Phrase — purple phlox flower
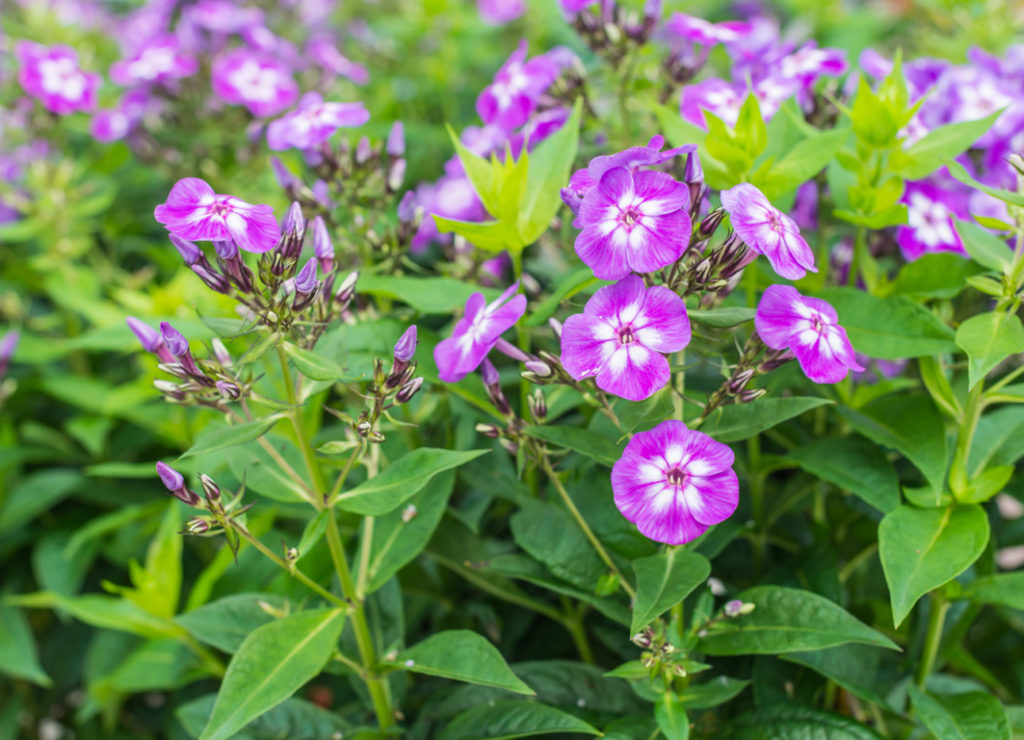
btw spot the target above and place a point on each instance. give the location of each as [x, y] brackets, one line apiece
[874, 369]
[496, 12]
[395, 146]
[451, 197]
[405, 347]
[584, 180]
[874, 64]
[805, 206]
[809, 62]
[150, 339]
[263, 39]
[52, 75]
[261, 83]
[193, 211]
[190, 253]
[305, 280]
[714, 95]
[161, 59]
[111, 124]
[809, 328]
[323, 51]
[7, 346]
[701, 31]
[174, 482]
[930, 226]
[323, 247]
[575, 6]
[633, 221]
[674, 483]
[622, 335]
[313, 122]
[768, 231]
[477, 332]
[223, 16]
[512, 97]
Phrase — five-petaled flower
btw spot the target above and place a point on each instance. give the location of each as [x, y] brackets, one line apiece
[261, 83]
[809, 328]
[621, 335]
[477, 332]
[193, 211]
[674, 483]
[633, 221]
[52, 75]
[768, 231]
[313, 122]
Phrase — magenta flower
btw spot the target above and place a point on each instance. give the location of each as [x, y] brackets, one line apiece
[193, 211]
[621, 336]
[511, 98]
[313, 122]
[261, 83]
[768, 231]
[674, 483]
[496, 12]
[809, 328]
[930, 225]
[8, 343]
[633, 221]
[322, 51]
[110, 125]
[477, 332]
[701, 31]
[52, 75]
[160, 60]
[721, 98]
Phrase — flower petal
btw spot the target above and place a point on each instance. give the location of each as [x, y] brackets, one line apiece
[587, 343]
[633, 372]
[662, 323]
[778, 314]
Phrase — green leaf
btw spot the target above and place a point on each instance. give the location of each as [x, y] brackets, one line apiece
[941, 144]
[751, 132]
[104, 612]
[18, 657]
[271, 664]
[314, 366]
[226, 622]
[742, 420]
[671, 716]
[482, 173]
[461, 655]
[958, 171]
[398, 538]
[939, 275]
[584, 441]
[909, 329]
[158, 586]
[550, 536]
[220, 436]
[712, 693]
[663, 580]
[922, 549]
[908, 424]
[987, 484]
[1001, 589]
[34, 494]
[493, 236]
[567, 287]
[795, 722]
[872, 118]
[550, 166]
[852, 666]
[853, 464]
[787, 620]
[402, 479]
[156, 665]
[985, 248]
[263, 474]
[973, 715]
[723, 318]
[432, 295]
[510, 719]
[988, 339]
[801, 163]
[295, 719]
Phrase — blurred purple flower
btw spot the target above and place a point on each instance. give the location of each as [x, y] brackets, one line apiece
[223, 16]
[52, 75]
[809, 328]
[261, 83]
[477, 332]
[7, 346]
[193, 211]
[768, 231]
[322, 51]
[930, 225]
[150, 339]
[496, 12]
[701, 31]
[313, 122]
[512, 97]
[633, 222]
[110, 125]
[674, 483]
[621, 336]
[161, 59]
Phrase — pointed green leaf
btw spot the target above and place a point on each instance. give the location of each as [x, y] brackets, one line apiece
[788, 620]
[671, 716]
[402, 479]
[985, 248]
[461, 655]
[295, 719]
[481, 172]
[580, 440]
[853, 464]
[742, 420]
[988, 339]
[492, 236]
[220, 436]
[922, 549]
[791, 721]
[550, 166]
[314, 366]
[941, 144]
[663, 580]
[960, 172]
[502, 720]
[18, 657]
[973, 715]
[1001, 589]
[271, 664]
[226, 622]
[723, 318]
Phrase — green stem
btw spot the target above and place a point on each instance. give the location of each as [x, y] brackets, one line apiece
[587, 531]
[958, 479]
[933, 638]
[300, 433]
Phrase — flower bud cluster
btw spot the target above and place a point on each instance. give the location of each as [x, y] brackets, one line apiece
[613, 30]
[219, 511]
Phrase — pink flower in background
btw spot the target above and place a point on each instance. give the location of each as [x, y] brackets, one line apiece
[223, 16]
[313, 122]
[633, 221]
[674, 483]
[52, 75]
[477, 332]
[110, 125]
[512, 97]
[701, 31]
[262, 84]
[193, 211]
[721, 98]
[496, 12]
[809, 327]
[8, 344]
[930, 226]
[768, 231]
[621, 335]
[160, 60]
[322, 51]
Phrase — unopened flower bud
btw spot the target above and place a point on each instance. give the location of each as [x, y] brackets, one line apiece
[702, 271]
[213, 280]
[226, 249]
[149, 338]
[174, 368]
[363, 150]
[405, 347]
[407, 207]
[711, 222]
[539, 368]
[190, 253]
[363, 428]
[228, 390]
[538, 405]
[396, 174]
[489, 373]
[488, 430]
[294, 223]
[407, 391]
[305, 284]
[211, 489]
[175, 483]
[197, 526]
[375, 436]
[739, 381]
[347, 289]
[556, 326]
[174, 340]
[395, 146]
[284, 176]
[165, 386]
[748, 396]
[220, 352]
[510, 350]
[323, 247]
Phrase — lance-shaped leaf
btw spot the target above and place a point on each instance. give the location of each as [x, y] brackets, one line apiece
[988, 339]
[663, 580]
[461, 655]
[502, 720]
[973, 715]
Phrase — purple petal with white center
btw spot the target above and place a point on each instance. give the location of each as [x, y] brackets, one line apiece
[634, 372]
[768, 231]
[663, 324]
[778, 312]
[587, 343]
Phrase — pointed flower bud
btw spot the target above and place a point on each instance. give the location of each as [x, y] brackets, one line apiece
[396, 140]
[363, 150]
[226, 249]
[228, 390]
[197, 526]
[189, 252]
[347, 289]
[405, 347]
[175, 483]
[539, 368]
[489, 373]
[175, 341]
[148, 337]
[305, 281]
[284, 176]
[211, 489]
[407, 391]
[220, 352]
[294, 223]
[322, 245]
